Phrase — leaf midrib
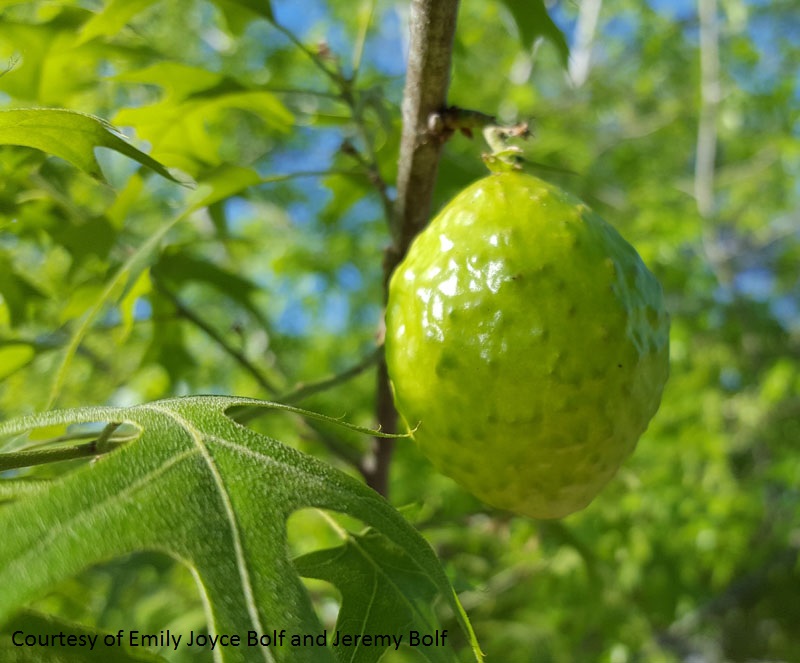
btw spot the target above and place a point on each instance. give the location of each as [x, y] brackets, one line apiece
[241, 562]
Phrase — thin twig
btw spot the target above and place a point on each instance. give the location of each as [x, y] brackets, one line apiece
[314, 57]
[348, 94]
[374, 172]
[310, 92]
[271, 179]
[348, 454]
[303, 391]
[370, 166]
[187, 313]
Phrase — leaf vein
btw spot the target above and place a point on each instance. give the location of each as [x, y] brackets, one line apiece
[241, 563]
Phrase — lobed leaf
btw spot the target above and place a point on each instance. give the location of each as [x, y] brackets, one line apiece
[216, 495]
[400, 596]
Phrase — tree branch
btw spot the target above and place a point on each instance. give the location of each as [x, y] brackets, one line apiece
[432, 28]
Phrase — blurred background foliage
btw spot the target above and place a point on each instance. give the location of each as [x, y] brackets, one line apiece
[292, 111]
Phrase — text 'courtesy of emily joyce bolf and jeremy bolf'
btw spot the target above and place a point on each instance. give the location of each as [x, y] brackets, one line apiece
[168, 639]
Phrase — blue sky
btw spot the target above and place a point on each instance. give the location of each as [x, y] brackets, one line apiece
[383, 50]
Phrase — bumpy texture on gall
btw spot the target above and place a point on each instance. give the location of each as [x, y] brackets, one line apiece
[528, 342]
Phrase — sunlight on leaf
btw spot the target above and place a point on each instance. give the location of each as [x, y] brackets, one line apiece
[112, 18]
[223, 182]
[533, 21]
[14, 357]
[70, 135]
[127, 306]
[125, 275]
[180, 131]
[177, 79]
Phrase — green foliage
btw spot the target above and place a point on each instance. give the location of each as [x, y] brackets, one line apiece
[382, 589]
[533, 22]
[69, 135]
[263, 278]
[216, 495]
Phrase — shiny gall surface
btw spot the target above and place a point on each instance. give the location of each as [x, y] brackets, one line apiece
[528, 342]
